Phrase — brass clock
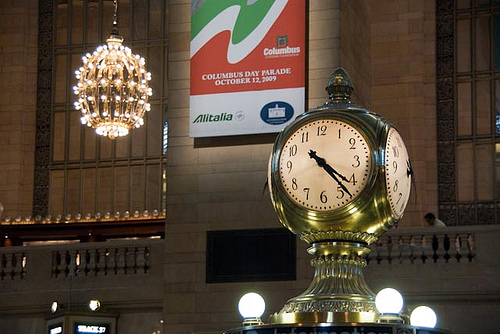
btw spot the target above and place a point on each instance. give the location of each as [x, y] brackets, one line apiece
[339, 177]
[339, 171]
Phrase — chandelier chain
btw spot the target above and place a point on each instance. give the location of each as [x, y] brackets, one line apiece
[115, 19]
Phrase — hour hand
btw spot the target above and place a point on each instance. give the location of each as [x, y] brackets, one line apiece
[322, 163]
[329, 169]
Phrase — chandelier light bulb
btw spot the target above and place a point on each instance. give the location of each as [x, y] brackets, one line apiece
[423, 316]
[251, 305]
[389, 301]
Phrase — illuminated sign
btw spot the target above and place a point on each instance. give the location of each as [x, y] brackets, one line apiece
[56, 329]
[92, 328]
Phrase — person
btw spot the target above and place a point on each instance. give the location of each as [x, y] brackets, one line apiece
[432, 221]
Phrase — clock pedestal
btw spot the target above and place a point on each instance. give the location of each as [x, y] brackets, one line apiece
[338, 291]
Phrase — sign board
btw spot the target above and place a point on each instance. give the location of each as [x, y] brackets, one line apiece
[247, 66]
[56, 328]
[87, 328]
[359, 329]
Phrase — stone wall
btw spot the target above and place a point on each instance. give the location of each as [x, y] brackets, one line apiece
[402, 56]
[355, 47]
[18, 70]
[220, 184]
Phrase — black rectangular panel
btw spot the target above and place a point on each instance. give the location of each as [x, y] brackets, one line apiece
[251, 255]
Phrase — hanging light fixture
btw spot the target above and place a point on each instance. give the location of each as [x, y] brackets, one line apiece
[113, 87]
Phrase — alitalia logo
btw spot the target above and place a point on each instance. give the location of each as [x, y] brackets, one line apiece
[206, 118]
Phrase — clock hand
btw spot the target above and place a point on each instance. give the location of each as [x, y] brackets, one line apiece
[329, 169]
[409, 169]
[322, 163]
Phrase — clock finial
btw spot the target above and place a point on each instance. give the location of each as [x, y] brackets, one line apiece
[339, 86]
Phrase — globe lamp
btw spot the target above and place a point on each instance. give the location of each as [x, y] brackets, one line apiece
[251, 307]
[389, 303]
[423, 316]
[94, 305]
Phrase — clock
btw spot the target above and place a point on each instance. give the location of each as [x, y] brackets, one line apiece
[398, 172]
[339, 177]
[339, 171]
[324, 164]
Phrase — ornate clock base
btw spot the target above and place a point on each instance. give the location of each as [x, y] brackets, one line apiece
[338, 292]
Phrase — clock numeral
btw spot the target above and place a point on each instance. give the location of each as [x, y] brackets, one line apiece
[289, 165]
[396, 186]
[322, 130]
[400, 195]
[306, 190]
[305, 137]
[293, 150]
[357, 162]
[395, 151]
[295, 186]
[399, 142]
[340, 131]
[352, 142]
[341, 193]
[322, 197]
[352, 180]
[395, 166]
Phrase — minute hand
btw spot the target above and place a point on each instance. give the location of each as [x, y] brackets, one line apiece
[329, 169]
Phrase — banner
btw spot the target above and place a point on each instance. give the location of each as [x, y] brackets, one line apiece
[247, 66]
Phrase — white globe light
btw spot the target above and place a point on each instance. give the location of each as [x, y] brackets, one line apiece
[94, 304]
[423, 316]
[54, 307]
[389, 300]
[251, 305]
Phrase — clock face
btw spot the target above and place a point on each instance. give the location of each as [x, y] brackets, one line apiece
[325, 164]
[398, 172]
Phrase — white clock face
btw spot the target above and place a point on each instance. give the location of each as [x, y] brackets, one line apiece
[398, 172]
[325, 164]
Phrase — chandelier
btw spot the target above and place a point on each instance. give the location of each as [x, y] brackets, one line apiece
[112, 87]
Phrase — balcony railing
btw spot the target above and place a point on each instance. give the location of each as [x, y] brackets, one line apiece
[101, 261]
[81, 259]
[13, 265]
[425, 245]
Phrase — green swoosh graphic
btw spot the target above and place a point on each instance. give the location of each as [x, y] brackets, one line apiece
[248, 19]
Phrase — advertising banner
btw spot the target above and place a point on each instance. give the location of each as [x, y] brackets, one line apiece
[247, 66]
